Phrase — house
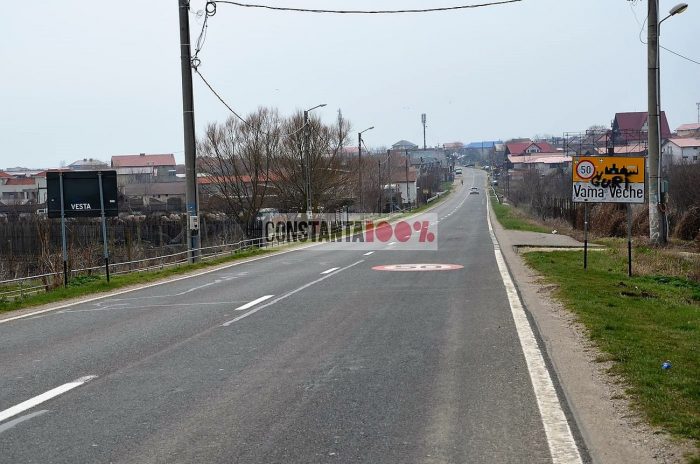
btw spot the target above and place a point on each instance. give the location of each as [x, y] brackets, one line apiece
[21, 190]
[688, 130]
[632, 128]
[88, 164]
[529, 147]
[544, 163]
[143, 168]
[635, 149]
[405, 184]
[404, 145]
[169, 196]
[681, 150]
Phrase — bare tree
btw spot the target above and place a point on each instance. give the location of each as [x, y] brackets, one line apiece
[328, 167]
[236, 157]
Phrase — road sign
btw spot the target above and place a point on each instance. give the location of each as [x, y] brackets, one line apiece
[418, 267]
[608, 179]
[81, 193]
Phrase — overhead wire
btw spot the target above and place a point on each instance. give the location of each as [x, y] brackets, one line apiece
[400, 11]
[644, 42]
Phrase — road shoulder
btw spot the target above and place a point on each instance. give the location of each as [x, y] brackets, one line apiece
[611, 430]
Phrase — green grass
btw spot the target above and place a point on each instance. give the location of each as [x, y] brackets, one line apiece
[93, 284]
[639, 323]
[511, 219]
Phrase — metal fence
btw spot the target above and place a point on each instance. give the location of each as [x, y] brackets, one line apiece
[23, 286]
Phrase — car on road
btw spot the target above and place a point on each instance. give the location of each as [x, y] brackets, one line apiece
[458, 171]
[473, 191]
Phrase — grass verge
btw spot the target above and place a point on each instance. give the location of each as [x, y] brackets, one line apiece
[512, 219]
[639, 322]
[94, 284]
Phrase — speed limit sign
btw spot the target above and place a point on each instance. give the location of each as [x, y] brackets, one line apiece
[585, 169]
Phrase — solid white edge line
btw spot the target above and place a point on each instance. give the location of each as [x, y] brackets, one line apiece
[155, 284]
[288, 294]
[254, 302]
[330, 270]
[31, 402]
[562, 445]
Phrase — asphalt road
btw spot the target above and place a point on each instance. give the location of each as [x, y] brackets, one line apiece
[355, 365]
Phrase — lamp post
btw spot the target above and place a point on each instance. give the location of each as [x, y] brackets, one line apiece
[359, 170]
[307, 159]
[657, 208]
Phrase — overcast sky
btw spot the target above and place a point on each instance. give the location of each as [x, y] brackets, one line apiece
[96, 79]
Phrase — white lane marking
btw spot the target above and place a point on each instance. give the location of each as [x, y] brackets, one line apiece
[30, 403]
[392, 243]
[330, 270]
[155, 284]
[8, 425]
[288, 294]
[562, 445]
[254, 302]
[176, 279]
[146, 307]
[368, 253]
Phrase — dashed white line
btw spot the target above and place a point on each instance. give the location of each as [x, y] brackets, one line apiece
[368, 253]
[288, 294]
[392, 243]
[562, 445]
[30, 403]
[254, 302]
[328, 271]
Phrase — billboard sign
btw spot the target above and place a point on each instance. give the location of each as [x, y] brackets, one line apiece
[81, 193]
[608, 179]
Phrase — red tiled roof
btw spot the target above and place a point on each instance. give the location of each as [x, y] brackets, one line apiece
[20, 181]
[546, 147]
[685, 142]
[246, 179]
[634, 121]
[548, 158]
[4, 174]
[688, 127]
[519, 148]
[138, 161]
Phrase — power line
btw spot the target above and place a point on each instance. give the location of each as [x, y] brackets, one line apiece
[641, 30]
[313, 10]
[219, 97]
[243, 120]
[679, 55]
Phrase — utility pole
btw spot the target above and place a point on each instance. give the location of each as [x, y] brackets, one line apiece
[188, 121]
[698, 105]
[423, 119]
[408, 196]
[655, 214]
[381, 189]
[391, 188]
[359, 169]
[307, 166]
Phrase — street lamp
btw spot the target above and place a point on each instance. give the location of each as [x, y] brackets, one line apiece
[307, 160]
[657, 209]
[359, 170]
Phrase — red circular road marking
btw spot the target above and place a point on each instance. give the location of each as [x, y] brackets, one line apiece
[424, 267]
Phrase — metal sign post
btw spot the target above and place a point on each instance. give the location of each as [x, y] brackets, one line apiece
[82, 194]
[608, 179]
[629, 240]
[585, 235]
[63, 231]
[104, 225]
